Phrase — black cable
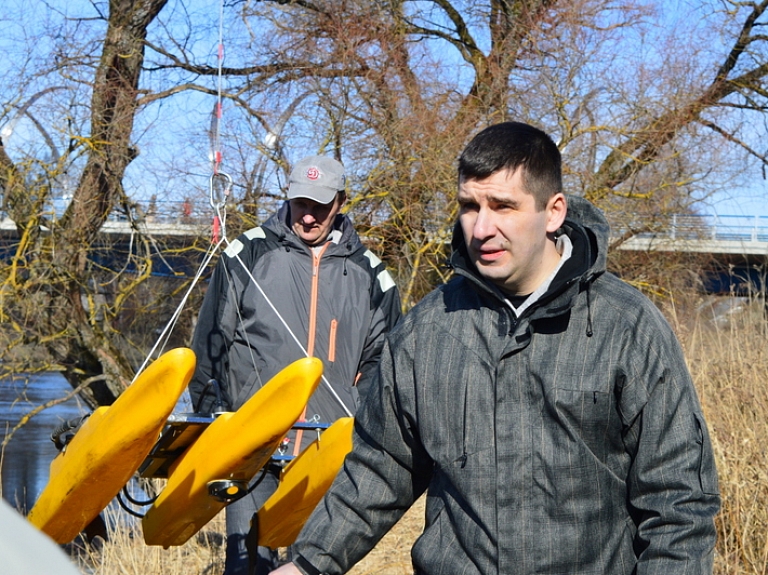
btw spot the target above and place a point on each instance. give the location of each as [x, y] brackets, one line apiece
[264, 471]
[128, 509]
[64, 432]
[136, 502]
[217, 389]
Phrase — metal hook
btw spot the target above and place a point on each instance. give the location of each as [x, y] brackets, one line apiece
[220, 186]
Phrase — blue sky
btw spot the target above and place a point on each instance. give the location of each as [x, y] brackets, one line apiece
[160, 149]
[747, 201]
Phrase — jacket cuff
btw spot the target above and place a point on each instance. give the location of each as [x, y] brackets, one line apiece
[305, 566]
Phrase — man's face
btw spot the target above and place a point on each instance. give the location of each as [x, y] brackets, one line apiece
[312, 221]
[506, 236]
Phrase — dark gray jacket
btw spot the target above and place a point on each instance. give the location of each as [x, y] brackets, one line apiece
[339, 306]
[569, 440]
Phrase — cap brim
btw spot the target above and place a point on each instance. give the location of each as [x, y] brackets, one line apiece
[320, 194]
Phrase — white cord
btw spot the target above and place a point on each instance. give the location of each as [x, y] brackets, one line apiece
[163, 338]
[290, 331]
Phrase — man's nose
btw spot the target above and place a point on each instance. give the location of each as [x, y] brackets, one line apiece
[484, 225]
[308, 217]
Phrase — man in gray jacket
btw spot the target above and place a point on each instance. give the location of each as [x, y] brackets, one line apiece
[301, 283]
[543, 404]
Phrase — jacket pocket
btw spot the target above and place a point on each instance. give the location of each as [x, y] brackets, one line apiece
[707, 469]
[581, 426]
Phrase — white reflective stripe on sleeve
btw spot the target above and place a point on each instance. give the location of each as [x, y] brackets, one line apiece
[385, 281]
[372, 258]
[255, 233]
[234, 248]
[237, 246]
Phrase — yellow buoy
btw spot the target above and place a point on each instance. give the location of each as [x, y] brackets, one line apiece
[231, 449]
[109, 447]
[302, 484]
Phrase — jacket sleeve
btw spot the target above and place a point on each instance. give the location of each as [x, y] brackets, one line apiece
[672, 486]
[211, 341]
[385, 304]
[384, 474]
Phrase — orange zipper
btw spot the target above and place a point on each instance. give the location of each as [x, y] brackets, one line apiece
[313, 299]
[312, 327]
[332, 341]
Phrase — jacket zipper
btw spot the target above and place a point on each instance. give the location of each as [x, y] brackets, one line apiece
[316, 256]
[313, 296]
[332, 341]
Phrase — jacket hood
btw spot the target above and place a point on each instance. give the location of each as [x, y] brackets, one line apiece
[348, 242]
[585, 214]
[584, 224]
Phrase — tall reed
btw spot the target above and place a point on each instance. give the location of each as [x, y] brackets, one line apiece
[728, 358]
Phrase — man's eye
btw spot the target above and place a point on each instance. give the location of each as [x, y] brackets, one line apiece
[503, 206]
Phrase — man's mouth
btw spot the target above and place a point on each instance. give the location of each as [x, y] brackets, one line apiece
[489, 254]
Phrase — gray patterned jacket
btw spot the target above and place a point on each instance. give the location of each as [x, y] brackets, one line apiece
[569, 440]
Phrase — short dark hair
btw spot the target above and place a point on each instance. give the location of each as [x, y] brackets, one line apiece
[513, 145]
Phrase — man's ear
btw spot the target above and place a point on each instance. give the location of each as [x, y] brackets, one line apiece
[557, 207]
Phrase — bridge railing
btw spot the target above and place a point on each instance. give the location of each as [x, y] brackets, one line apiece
[159, 211]
[744, 228]
[678, 227]
[187, 211]
[713, 227]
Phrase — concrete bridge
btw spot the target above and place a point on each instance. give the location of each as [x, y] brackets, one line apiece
[737, 245]
[710, 234]
[178, 238]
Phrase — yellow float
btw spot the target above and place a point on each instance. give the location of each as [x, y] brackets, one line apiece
[230, 451]
[303, 483]
[109, 447]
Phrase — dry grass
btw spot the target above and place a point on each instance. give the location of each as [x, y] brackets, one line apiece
[729, 363]
[126, 554]
[392, 556]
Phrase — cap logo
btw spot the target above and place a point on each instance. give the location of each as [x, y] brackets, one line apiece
[313, 173]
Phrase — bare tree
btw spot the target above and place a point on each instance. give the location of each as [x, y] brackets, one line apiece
[398, 87]
[650, 117]
[50, 290]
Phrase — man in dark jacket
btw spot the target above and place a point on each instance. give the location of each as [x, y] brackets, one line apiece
[301, 284]
[543, 405]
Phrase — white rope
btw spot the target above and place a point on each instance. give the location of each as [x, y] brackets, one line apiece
[290, 331]
[162, 340]
[218, 204]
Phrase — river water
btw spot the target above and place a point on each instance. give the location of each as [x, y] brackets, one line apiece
[25, 462]
[29, 452]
